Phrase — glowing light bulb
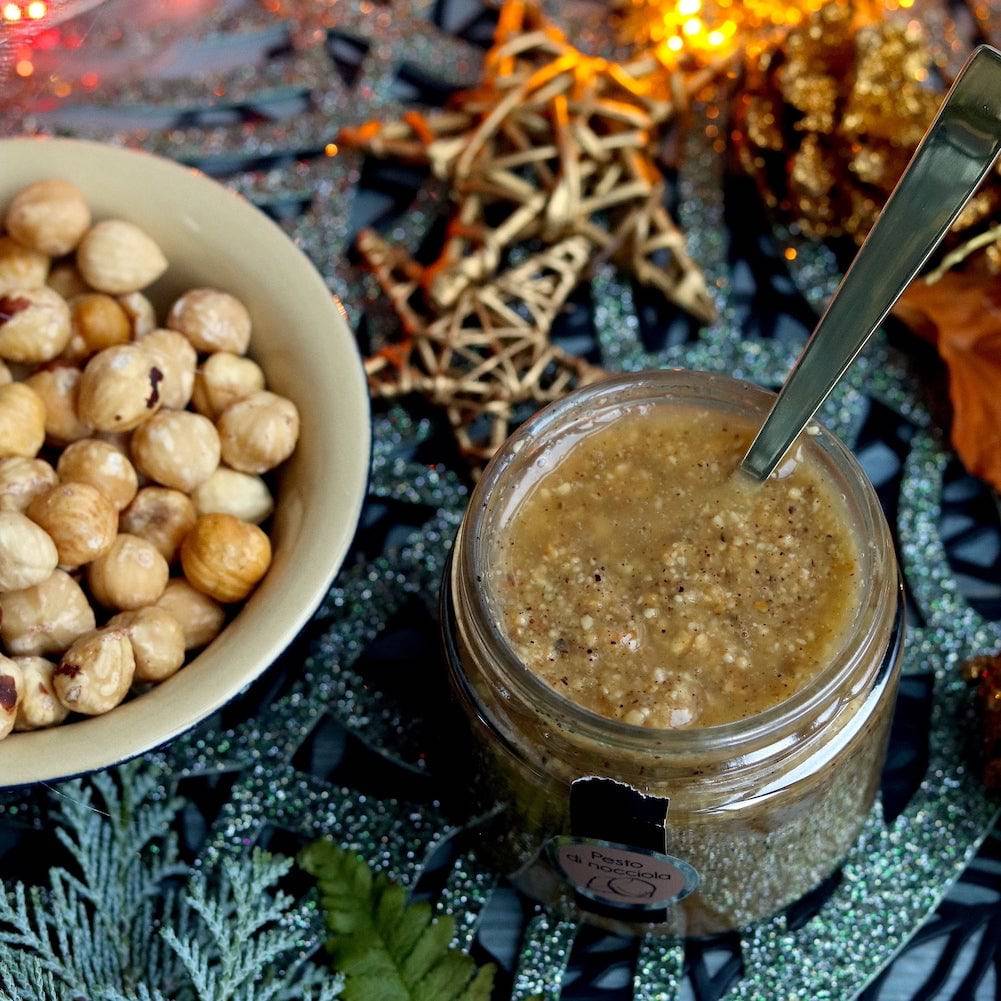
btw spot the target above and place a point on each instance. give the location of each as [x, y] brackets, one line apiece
[37, 9]
[674, 43]
[11, 12]
[24, 67]
[692, 26]
[716, 38]
[789, 253]
[689, 7]
[331, 149]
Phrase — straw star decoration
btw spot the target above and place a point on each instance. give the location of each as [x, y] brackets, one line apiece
[549, 154]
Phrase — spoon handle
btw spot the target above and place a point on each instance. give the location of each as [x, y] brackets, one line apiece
[955, 154]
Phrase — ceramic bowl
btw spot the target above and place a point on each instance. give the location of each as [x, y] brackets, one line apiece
[301, 339]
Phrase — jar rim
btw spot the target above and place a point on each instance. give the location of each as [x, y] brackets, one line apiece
[877, 598]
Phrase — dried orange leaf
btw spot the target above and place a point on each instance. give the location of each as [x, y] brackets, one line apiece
[961, 315]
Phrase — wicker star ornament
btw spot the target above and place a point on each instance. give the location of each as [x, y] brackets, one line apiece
[549, 164]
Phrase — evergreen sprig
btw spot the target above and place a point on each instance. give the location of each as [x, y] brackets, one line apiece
[126, 920]
[388, 949]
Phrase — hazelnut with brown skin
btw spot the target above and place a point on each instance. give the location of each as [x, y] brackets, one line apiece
[39, 706]
[117, 257]
[48, 216]
[200, 617]
[140, 311]
[120, 389]
[22, 421]
[157, 642]
[259, 432]
[58, 385]
[176, 448]
[95, 674]
[161, 515]
[22, 480]
[79, 519]
[11, 694]
[27, 554]
[131, 574]
[223, 379]
[102, 465]
[99, 321]
[20, 267]
[34, 325]
[224, 557]
[211, 320]
[176, 359]
[46, 618]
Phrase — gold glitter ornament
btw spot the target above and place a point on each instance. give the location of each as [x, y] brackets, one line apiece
[827, 124]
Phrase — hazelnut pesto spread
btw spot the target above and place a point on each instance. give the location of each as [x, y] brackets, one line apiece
[644, 578]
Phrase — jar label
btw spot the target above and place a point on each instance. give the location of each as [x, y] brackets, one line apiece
[623, 876]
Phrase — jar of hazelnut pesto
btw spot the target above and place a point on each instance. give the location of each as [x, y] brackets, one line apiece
[679, 683]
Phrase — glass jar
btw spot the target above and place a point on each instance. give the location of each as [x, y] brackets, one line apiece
[688, 832]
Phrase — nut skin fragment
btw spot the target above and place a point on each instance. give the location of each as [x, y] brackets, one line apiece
[34, 325]
[95, 674]
[27, 554]
[48, 216]
[39, 706]
[117, 257]
[22, 421]
[11, 694]
[45, 619]
[259, 432]
[58, 386]
[130, 575]
[224, 557]
[242, 495]
[118, 391]
[157, 642]
[161, 515]
[22, 480]
[200, 617]
[102, 465]
[212, 320]
[177, 449]
[20, 267]
[81, 521]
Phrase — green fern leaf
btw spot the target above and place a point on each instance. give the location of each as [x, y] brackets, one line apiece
[388, 949]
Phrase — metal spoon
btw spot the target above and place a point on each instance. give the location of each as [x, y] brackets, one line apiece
[955, 154]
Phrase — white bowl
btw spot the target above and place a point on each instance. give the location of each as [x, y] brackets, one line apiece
[212, 236]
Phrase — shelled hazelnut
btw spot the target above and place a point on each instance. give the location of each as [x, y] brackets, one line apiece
[211, 320]
[79, 519]
[103, 466]
[118, 257]
[161, 515]
[22, 480]
[157, 641]
[120, 389]
[96, 672]
[27, 554]
[34, 325]
[176, 448]
[131, 573]
[20, 267]
[135, 419]
[259, 432]
[48, 216]
[201, 619]
[22, 421]
[39, 708]
[58, 386]
[223, 379]
[11, 693]
[46, 618]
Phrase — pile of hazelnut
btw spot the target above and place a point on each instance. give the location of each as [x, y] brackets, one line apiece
[131, 462]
